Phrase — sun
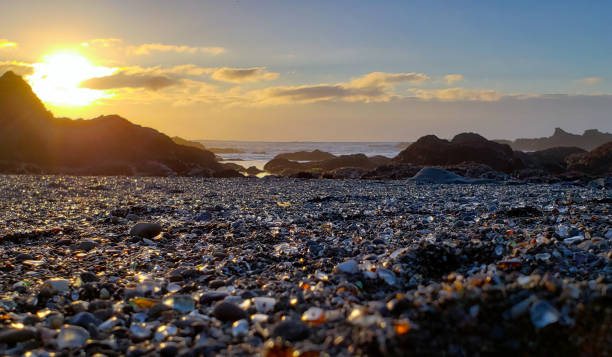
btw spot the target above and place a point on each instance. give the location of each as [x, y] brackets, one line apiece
[56, 79]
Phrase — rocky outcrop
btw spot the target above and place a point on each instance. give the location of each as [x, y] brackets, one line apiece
[315, 155]
[551, 161]
[466, 147]
[106, 145]
[286, 167]
[185, 142]
[589, 140]
[595, 162]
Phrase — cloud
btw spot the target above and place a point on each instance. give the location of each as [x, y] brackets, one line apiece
[125, 79]
[457, 94]
[240, 75]
[20, 68]
[453, 78]
[147, 48]
[377, 79]
[189, 69]
[103, 42]
[591, 81]
[372, 87]
[4, 43]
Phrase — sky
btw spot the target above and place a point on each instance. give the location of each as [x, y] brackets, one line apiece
[319, 70]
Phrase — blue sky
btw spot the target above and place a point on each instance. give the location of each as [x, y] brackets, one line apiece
[512, 48]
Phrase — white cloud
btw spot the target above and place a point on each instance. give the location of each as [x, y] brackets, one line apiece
[457, 94]
[453, 78]
[372, 87]
[147, 48]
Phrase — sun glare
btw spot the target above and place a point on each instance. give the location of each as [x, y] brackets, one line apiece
[57, 77]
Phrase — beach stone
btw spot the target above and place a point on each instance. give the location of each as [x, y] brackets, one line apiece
[203, 216]
[543, 314]
[215, 284]
[226, 311]
[207, 298]
[168, 349]
[181, 303]
[86, 245]
[348, 267]
[291, 331]
[14, 335]
[72, 337]
[146, 230]
[23, 257]
[59, 285]
[88, 277]
[85, 319]
[264, 304]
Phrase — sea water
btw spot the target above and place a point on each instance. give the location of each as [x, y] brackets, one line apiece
[258, 153]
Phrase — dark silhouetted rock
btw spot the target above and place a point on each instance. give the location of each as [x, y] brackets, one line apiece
[550, 160]
[591, 139]
[466, 147]
[315, 155]
[596, 162]
[106, 145]
[253, 170]
[317, 168]
[186, 142]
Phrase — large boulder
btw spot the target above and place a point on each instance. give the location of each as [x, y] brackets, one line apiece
[596, 162]
[360, 161]
[465, 147]
[551, 160]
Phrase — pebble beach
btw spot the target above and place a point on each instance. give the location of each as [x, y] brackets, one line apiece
[114, 266]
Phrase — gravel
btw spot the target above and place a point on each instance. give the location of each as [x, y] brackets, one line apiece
[279, 267]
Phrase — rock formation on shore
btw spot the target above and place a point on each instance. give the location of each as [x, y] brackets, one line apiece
[360, 161]
[31, 139]
[185, 142]
[591, 139]
[466, 147]
[315, 155]
[595, 162]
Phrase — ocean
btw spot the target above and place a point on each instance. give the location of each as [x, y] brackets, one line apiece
[258, 153]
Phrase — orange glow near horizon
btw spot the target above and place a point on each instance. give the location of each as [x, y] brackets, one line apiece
[57, 77]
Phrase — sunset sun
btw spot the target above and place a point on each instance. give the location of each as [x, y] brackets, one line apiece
[56, 79]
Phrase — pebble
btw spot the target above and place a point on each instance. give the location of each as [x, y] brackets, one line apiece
[225, 311]
[292, 331]
[72, 337]
[146, 230]
[180, 303]
[543, 314]
[59, 285]
[14, 335]
[264, 304]
[348, 267]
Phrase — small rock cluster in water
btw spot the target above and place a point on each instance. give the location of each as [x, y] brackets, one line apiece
[203, 267]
